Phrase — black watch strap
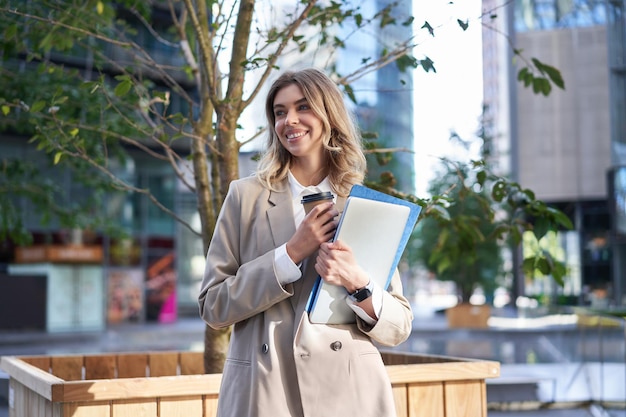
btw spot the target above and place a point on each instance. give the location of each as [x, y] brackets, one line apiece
[361, 294]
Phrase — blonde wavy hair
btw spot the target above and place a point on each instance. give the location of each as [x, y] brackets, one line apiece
[342, 139]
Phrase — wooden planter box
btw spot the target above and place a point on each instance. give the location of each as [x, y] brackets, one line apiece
[171, 384]
[468, 316]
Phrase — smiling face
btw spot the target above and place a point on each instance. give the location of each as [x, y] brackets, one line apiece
[298, 128]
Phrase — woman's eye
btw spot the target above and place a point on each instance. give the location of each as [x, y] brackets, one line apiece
[278, 113]
[304, 107]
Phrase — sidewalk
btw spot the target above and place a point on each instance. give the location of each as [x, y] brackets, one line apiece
[430, 336]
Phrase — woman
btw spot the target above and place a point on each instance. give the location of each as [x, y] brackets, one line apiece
[265, 256]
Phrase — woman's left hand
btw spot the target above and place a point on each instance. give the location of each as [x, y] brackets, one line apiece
[336, 265]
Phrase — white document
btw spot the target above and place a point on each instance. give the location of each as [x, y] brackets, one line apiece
[374, 230]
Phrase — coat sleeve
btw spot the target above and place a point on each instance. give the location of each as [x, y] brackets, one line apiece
[395, 322]
[239, 279]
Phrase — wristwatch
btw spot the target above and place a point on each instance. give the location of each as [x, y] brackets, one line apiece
[362, 293]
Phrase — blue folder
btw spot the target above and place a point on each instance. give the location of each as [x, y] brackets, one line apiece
[377, 227]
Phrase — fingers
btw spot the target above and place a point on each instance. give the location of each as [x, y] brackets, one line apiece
[339, 245]
[317, 227]
[322, 212]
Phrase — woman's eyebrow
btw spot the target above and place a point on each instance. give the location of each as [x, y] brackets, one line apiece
[300, 101]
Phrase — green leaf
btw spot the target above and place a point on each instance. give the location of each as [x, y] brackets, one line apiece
[37, 106]
[498, 192]
[561, 218]
[528, 265]
[500, 231]
[428, 65]
[57, 157]
[350, 92]
[406, 62]
[6, 110]
[443, 264]
[543, 265]
[528, 80]
[522, 73]
[11, 32]
[74, 132]
[123, 88]
[481, 177]
[358, 18]
[541, 85]
[428, 27]
[555, 76]
[558, 273]
[542, 227]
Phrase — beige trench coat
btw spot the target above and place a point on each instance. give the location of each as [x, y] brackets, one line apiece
[279, 364]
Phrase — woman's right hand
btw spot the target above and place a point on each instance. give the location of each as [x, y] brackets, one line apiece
[316, 228]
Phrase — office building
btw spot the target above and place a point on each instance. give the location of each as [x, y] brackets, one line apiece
[563, 146]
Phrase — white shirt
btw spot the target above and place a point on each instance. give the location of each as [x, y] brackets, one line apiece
[287, 271]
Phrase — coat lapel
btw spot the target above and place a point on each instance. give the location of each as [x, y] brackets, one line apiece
[280, 216]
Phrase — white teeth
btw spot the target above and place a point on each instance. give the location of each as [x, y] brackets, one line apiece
[295, 135]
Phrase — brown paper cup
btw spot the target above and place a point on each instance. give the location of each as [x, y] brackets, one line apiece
[312, 200]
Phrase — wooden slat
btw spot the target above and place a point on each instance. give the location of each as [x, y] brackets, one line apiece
[43, 383]
[28, 403]
[87, 409]
[400, 399]
[170, 386]
[450, 371]
[134, 408]
[41, 362]
[68, 368]
[20, 396]
[100, 366]
[132, 365]
[181, 406]
[163, 363]
[191, 363]
[426, 399]
[464, 399]
[395, 358]
[210, 405]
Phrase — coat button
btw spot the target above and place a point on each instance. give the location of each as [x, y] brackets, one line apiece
[265, 348]
[336, 345]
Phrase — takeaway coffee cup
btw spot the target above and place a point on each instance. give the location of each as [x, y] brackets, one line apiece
[312, 200]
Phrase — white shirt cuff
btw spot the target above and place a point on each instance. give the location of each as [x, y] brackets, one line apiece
[285, 269]
[377, 304]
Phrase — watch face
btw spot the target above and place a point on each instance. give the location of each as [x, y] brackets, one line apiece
[361, 295]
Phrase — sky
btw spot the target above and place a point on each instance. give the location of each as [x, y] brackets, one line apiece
[451, 98]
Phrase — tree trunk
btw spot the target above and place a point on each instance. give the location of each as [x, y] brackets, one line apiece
[215, 348]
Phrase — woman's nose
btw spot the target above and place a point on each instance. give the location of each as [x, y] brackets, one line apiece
[292, 117]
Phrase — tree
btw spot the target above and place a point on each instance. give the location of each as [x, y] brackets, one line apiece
[460, 249]
[473, 216]
[102, 94]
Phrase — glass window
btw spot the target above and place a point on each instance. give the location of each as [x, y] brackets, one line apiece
[554, 14]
